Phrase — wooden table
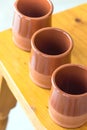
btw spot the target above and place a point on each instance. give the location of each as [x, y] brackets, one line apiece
[15, 82]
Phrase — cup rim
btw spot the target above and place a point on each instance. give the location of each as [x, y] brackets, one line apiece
[35, 18]
[47, 55]
[61, 91]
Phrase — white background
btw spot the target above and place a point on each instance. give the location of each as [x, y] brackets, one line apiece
[17, 118]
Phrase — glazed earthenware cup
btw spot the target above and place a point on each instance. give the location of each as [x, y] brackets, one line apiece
[51, 47]
[29, 16]
[68, 99]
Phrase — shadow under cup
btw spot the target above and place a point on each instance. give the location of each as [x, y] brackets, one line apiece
[68, 99]
[29, 16]
[51, 47]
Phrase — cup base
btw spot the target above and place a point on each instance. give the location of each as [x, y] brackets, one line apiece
[21, 42]
[67, 121]
[41, 80]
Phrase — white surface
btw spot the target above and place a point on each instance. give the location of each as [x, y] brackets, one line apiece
[17, 118]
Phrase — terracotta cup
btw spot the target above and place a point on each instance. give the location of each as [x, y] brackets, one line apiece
[29, 16]
[68, 99]
[51, 47]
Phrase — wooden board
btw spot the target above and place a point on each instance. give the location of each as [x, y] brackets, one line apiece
[14, 67]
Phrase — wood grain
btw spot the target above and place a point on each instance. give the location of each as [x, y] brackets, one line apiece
[14, 67]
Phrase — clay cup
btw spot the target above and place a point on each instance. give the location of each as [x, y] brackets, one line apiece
[29, 16]
[51, 47]
[68, 99]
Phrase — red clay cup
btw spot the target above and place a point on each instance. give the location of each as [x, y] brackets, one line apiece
[68, 99]
[51, 47]
[29, 16]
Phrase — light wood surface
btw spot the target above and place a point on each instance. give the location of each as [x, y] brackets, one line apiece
[14, 67]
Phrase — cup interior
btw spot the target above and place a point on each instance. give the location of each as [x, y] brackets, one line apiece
[34, 8]
[52, 41]
[72, 80]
